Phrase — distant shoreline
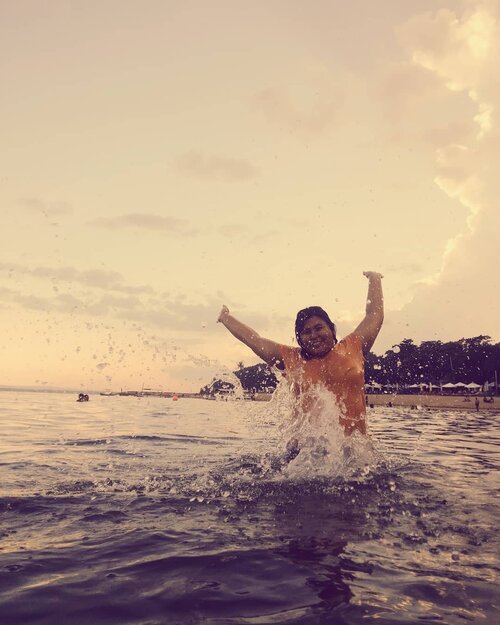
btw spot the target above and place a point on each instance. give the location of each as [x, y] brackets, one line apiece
[415, 401]
[457, 402]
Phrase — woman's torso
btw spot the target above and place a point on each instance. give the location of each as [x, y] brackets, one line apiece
[340, 372]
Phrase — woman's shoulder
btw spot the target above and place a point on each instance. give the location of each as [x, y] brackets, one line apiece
[288, 350]
[351, 341]
[290, 355]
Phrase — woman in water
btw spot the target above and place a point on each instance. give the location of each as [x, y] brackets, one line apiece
[321, 362]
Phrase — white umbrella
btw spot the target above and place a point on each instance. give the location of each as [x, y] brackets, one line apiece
[461, 384]
[450, 385]
[473, 385]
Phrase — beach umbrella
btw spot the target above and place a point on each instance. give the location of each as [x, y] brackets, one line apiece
[461, 385]
[473, 385]
[450, 385]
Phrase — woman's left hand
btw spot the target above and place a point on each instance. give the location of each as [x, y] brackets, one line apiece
[372, 274]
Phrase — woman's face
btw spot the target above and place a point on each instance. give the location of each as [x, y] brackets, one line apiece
[316, 337]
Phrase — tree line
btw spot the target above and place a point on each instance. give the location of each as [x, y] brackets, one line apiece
[432, 362]
[467, 360]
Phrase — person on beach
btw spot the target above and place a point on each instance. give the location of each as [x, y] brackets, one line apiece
[320, 361]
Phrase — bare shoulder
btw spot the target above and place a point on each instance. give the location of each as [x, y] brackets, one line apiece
[351, 342]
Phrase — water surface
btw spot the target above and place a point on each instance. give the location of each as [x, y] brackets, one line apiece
[148, 511]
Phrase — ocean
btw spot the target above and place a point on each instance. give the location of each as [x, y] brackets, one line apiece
[126, 510]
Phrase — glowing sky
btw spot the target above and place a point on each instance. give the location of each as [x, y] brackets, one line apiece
[162, 158]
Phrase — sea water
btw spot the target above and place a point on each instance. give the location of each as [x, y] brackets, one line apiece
[149, 511]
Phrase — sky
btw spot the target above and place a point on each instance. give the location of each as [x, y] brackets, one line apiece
[162, 158]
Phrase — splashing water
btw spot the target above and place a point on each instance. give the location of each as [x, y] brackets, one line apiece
[312, 441]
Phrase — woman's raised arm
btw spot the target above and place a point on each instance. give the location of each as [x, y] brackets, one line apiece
[369, 328]
[268, 350]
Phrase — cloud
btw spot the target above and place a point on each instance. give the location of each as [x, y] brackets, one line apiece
[405, 268]
[96, 278]
[462, 302]
[159, 310]
[308, 110]
[462, 51]
[458, 50]
[49, 209]
[207, 166]
[454, 133]
[232, 231]
[146, 221]
[134, 303]
[109, 304]
[60, 303]
[242, 232]
[451, 46]
[146, 306]
[264, 237]
[406, 87]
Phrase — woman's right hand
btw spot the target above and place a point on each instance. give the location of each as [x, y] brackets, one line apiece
[223, 314]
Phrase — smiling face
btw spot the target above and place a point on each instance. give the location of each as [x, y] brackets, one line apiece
[316, 337]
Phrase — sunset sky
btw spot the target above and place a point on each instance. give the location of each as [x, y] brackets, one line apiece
[162, 158]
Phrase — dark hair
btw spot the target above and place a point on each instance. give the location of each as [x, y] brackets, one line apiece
[305, 314]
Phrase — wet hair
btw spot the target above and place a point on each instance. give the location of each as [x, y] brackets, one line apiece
[305, 314]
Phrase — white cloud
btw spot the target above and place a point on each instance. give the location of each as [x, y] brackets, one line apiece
[139, 305]
[405, 268]
[210, 166]
[285, 110]
[146, 221]
[96, 278]
[233, 230]
[406, 87]
[244, 233]
[450, 45]
[307, 108]
[47, 208]
[461, 50]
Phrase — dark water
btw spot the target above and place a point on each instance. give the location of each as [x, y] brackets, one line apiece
[149, 511]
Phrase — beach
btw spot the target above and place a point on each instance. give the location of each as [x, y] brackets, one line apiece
[446, 402]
